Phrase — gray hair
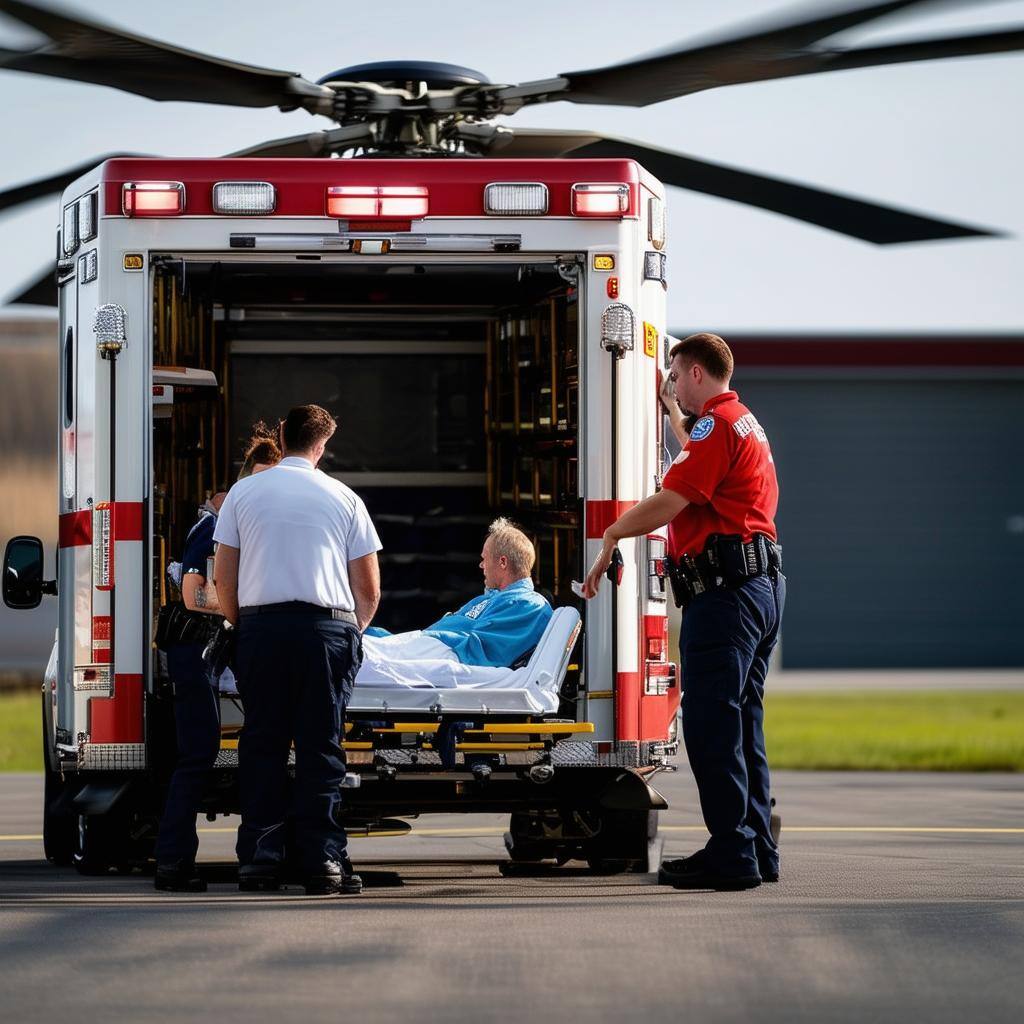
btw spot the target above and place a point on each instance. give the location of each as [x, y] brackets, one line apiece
[508, 540]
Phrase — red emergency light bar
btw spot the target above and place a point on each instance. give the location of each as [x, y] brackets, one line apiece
[152, 198]
[404, 201]
[401, 189]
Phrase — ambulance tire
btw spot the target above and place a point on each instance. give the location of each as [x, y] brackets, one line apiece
[60, 828]
[102, 844]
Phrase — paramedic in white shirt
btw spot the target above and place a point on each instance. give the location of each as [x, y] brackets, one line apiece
[296, 571]
[476, 645]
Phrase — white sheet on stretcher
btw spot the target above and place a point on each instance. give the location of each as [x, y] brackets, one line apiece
[413, 672]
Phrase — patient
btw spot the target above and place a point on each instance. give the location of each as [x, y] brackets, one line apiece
[476, 645]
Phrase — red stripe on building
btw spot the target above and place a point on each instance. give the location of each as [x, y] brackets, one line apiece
[118, 719]
[74, 529]
[601, 515]
[878, 351]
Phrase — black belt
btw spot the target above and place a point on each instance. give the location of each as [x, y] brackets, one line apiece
[341, 614]
[726, 561]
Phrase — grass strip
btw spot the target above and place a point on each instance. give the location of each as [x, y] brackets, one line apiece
[20, 732]
[921, 730]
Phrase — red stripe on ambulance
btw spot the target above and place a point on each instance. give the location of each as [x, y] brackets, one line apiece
[601, 515]
[118, 719]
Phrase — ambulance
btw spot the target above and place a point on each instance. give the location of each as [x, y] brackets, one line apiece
[489, 335]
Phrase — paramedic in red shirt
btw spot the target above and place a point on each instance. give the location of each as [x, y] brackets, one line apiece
[718, 500]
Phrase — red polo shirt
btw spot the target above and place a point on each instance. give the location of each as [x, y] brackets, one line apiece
[727, 475]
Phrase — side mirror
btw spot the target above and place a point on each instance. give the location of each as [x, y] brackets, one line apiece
[23, 585]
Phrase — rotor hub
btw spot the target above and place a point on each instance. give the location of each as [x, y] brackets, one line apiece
[395, 74]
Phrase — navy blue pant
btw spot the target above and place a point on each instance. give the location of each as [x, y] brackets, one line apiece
[295, 674]
[197, 724]
[726, 640]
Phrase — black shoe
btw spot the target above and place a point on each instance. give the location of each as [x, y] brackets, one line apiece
[672, 870]
[702, 878]
[259, 878]
[333, 878]
[178, 877]
[768, 874]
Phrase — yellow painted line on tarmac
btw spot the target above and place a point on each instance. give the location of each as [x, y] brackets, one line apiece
[491, 831]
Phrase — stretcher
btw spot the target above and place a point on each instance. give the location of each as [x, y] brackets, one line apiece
[531, 689]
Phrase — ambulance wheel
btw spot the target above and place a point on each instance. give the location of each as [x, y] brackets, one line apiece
[101, 844]
[60, 828]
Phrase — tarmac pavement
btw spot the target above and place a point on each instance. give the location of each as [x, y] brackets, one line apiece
[902, 898]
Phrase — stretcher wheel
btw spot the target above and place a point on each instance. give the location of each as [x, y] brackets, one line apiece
[608, 865]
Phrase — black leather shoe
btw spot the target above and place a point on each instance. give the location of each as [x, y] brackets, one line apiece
[702, 878]
[769, 874]
[259, 878]
[672, 870]
[178, 877]
[333, 878]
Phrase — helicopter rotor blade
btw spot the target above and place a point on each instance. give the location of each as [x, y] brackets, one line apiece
[772, 52]
[847, 215]
[87, 51]
[55, 183]
[41, 291]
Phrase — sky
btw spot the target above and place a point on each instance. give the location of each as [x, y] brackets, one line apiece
[941, 138]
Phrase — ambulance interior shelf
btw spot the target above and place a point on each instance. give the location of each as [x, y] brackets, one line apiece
[175, 384]
[190, 441]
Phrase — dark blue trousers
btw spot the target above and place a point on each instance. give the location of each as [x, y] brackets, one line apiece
[726, 640]
[197, 724]
[295, 674]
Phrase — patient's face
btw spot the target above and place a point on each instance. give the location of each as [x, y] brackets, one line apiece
[491, 566]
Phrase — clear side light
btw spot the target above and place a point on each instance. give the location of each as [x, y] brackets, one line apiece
[654, 267]
[516, 198]
[87, 219]
[88, 267]
[600, 199]
[618, 328]
[102, 548]
[245, 198]
[656, 569]
[69, 229]
[656, 222]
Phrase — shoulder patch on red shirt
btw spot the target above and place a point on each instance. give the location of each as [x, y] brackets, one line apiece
[702, 428]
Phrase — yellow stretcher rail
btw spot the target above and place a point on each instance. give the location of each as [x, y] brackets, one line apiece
[472, 748]
[504, 728]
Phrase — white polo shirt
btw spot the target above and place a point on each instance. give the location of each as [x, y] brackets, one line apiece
[296, 530]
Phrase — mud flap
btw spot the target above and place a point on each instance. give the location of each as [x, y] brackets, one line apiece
[98, 797]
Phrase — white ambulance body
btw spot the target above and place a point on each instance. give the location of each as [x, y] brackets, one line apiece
[196, 295]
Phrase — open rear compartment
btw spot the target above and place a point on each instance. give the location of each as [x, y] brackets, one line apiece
[456, 389]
